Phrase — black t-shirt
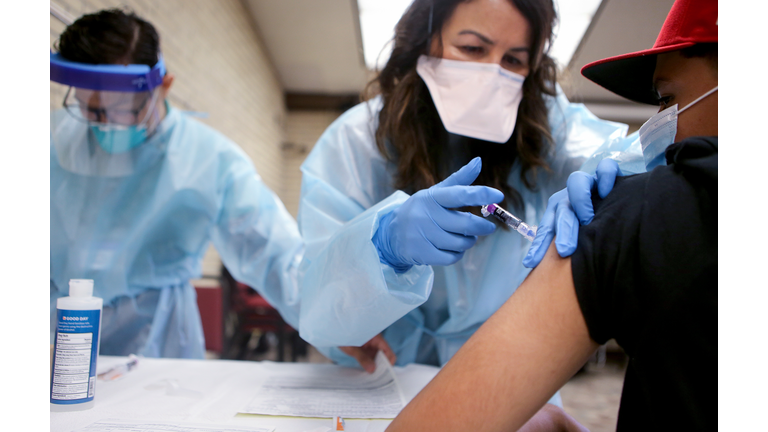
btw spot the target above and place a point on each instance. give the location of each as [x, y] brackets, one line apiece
[645, 273]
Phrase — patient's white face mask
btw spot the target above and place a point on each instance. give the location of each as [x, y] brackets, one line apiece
[659, 132]
[477, 100]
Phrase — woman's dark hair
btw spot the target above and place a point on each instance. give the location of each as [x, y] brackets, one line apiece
[410, 127]
[110, 36]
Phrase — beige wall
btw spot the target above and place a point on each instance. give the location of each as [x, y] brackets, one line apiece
[302, 129]
[221, 68]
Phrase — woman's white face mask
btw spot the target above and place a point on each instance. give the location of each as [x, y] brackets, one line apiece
[477, 100]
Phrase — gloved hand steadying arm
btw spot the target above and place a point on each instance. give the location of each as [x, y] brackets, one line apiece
[423, 231]
[569, 207]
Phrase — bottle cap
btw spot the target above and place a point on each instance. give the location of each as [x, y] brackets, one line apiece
[80, 287]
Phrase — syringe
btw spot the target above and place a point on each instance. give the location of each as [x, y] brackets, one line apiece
[511, 220]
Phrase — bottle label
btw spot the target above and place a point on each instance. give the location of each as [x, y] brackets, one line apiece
[74, 356]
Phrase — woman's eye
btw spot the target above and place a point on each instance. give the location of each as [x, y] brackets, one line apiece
[472, 49]
[512, 60]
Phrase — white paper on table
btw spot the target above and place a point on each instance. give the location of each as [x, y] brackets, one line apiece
[328, 391]
[116, 425]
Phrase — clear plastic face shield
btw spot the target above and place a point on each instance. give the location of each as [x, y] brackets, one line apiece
[118, 103]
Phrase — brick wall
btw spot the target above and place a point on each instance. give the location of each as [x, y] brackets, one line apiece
[221, 68]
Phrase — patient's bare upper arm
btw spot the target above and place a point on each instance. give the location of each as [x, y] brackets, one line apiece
[513, 364]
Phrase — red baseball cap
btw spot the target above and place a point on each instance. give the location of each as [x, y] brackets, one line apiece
[631, 75]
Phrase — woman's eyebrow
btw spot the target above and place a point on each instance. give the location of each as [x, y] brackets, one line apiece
[481, 36]
[488, 41]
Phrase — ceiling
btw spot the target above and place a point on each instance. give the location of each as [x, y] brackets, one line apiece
[315, 45]
[316, 48]
[619, 27]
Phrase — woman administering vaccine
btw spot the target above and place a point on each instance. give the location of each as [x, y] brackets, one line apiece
[468, 96]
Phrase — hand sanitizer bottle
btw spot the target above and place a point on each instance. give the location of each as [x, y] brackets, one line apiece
[76, 348]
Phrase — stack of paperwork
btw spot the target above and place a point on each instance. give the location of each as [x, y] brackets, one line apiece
[349, 393]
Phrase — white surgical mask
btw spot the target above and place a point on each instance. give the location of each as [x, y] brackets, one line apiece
[659, 132]
[477, 100]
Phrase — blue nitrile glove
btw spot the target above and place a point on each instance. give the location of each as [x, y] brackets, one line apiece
[568, 207]
[423, 231]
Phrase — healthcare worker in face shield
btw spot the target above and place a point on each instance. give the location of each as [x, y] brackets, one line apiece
[468, 96]
[138, 190]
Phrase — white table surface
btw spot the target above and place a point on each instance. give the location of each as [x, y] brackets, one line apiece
[211, 391]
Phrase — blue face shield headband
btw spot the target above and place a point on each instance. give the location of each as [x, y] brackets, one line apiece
[117, 101]
[117, 78]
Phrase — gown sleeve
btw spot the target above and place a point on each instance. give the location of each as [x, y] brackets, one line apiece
[256, 237]
[348, 296]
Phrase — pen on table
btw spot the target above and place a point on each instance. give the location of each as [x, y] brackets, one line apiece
[338, 423]
[119, 370]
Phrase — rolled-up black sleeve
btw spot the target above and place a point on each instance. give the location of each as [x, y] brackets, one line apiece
[645, 274]
[605, 256]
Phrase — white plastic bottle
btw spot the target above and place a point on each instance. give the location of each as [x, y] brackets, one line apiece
[76, 348]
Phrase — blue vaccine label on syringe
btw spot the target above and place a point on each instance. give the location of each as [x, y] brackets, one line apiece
[74, 356]
[512, 221]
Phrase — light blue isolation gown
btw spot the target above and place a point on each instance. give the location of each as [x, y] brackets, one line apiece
[138, 224]
[427, 313]
[628, 152]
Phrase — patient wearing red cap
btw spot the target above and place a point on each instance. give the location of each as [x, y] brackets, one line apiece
[644, 272]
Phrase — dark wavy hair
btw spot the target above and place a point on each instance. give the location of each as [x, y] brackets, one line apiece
[110, 36]
[410, 131]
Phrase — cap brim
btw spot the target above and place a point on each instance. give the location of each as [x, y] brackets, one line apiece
[629, 75]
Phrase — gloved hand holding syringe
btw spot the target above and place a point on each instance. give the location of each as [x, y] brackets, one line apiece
[509, 219]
